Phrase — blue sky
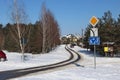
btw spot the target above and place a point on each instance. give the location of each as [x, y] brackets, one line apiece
[71, 15]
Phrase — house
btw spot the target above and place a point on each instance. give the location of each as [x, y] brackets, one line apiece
[70, 38]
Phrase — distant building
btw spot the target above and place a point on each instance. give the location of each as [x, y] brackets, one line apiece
[71, 38]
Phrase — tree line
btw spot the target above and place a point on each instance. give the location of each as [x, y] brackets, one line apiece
[42, 36]
[32, 42]
[108, 31]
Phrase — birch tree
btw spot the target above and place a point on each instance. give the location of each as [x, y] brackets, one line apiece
[44, 27]
[50, 28]
[19, 18]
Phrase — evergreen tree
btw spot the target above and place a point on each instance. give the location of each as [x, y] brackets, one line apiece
[108, 29]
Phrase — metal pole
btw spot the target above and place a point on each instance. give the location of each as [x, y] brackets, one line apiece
[94, 56]
[94, 51]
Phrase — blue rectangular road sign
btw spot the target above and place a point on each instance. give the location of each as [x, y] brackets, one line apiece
[94, 40]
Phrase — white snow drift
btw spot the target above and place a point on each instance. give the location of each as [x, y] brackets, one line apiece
[108, 68]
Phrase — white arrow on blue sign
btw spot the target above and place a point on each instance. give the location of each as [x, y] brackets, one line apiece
[94, 40]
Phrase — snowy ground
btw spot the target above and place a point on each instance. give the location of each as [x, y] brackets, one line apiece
[107, 68]
[15, 62]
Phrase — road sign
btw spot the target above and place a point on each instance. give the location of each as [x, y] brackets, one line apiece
[105, 49]
[93, 21]
[94, 32]
[94, 41]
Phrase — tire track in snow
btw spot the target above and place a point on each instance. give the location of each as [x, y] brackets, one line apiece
[74, 57]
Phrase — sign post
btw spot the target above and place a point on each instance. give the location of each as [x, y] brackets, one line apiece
[93, 40]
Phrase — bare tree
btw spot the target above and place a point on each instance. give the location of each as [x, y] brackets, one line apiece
[44, 27]
[50, 30]
[19, 30]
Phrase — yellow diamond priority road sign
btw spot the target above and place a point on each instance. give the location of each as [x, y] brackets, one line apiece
[93, 21]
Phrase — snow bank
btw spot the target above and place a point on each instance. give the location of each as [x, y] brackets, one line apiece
[107, 68]
[15, 62]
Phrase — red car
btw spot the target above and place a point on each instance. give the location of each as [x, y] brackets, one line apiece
[2, 56]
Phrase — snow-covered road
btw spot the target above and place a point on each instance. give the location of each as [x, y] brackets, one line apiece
[107, 68]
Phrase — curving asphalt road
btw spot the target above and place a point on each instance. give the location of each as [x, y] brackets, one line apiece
[6, 75]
